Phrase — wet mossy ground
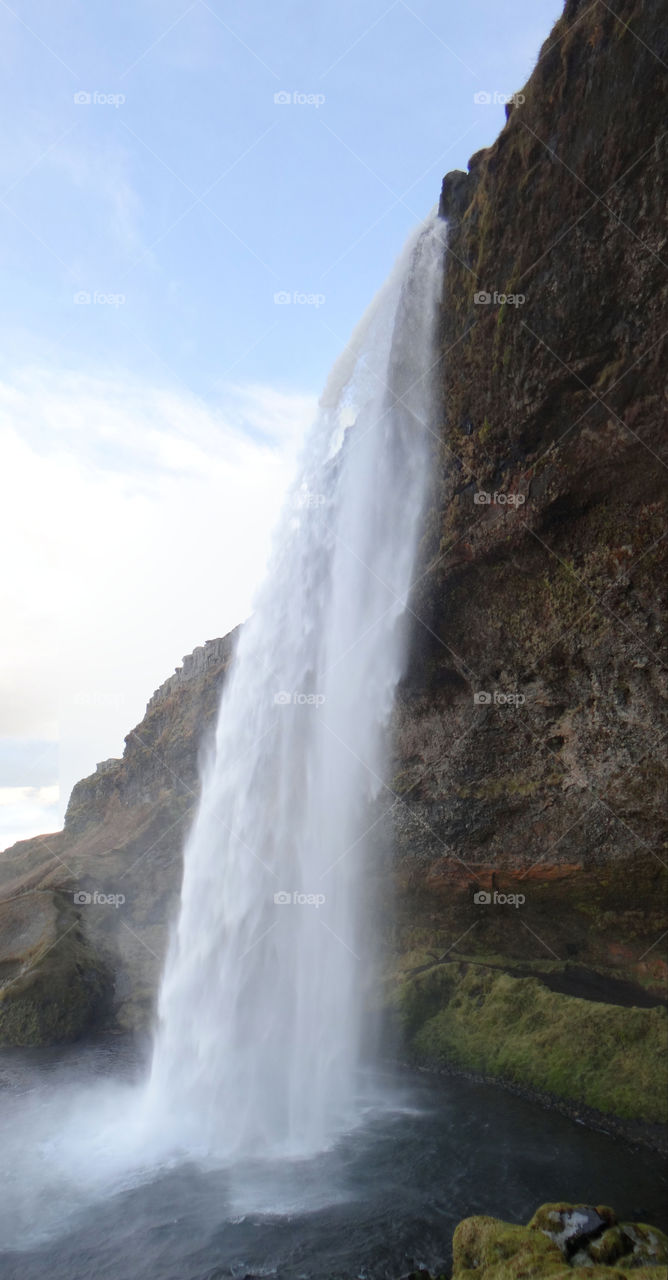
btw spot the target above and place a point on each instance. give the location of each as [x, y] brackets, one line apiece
[477, 1018]
[562, 997]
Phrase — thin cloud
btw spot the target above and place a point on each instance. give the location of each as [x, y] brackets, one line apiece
[139, 521]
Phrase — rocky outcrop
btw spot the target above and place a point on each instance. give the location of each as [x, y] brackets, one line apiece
[53, 985]
[530, 722]
[162, 754]
[118, 861]
[529, 729]
[562, 1241]
[206, 659]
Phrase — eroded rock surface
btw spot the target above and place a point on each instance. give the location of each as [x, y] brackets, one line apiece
[53, 986]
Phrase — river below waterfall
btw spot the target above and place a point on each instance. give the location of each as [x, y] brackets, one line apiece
[383, 1200]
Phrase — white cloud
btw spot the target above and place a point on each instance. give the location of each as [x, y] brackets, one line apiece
[25, 810]
[136, 523]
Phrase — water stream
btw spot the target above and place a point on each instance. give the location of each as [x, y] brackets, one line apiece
[261, 1009]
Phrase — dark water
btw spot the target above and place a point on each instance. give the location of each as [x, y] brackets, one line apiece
[385, 1200]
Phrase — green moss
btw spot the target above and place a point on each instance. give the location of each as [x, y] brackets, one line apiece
[609, 1247]
[564, 589]
[648, 1244]
[603, 1056]
[487, 1249]
[512, 784]
[548, 1217]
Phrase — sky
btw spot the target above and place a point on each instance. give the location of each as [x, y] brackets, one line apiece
[198, 201]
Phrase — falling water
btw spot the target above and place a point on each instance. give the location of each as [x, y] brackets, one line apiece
[261, 1009]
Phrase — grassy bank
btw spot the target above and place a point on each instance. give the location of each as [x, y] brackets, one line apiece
[474, 1016]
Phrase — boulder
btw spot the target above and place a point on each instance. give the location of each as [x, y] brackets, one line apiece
[562, 1242]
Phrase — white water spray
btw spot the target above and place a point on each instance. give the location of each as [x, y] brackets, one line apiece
[261, 1012]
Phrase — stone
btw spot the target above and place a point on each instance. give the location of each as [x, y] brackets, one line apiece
[53, 986]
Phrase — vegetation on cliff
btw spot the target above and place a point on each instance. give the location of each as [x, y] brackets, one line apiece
[478, 1017]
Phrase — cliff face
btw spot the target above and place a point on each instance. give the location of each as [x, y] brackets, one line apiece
[545, 559]
[529, 727]
[527, 743]
[118, 861]
[532, 830]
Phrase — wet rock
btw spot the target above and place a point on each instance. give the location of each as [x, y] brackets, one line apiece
[456, 193]
[119, 858]
[570, 1226]
[53, 986]
[562, 1241]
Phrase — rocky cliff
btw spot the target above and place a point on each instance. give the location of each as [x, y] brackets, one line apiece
[529, 735]
[534, 713]
[526, 802]
[531, 831]
[117, 863]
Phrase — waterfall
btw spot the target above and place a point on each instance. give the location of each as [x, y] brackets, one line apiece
[261, 1010]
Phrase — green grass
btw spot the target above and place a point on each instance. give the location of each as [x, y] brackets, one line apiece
[603, 1056]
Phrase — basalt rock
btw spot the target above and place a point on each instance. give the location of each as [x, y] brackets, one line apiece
[118, 860]
[529, 728]
[53, 987]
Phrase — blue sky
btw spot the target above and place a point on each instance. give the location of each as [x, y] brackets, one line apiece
[154, 197]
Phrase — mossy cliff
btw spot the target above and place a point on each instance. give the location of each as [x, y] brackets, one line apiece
[508, 1023]
[529, 736]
